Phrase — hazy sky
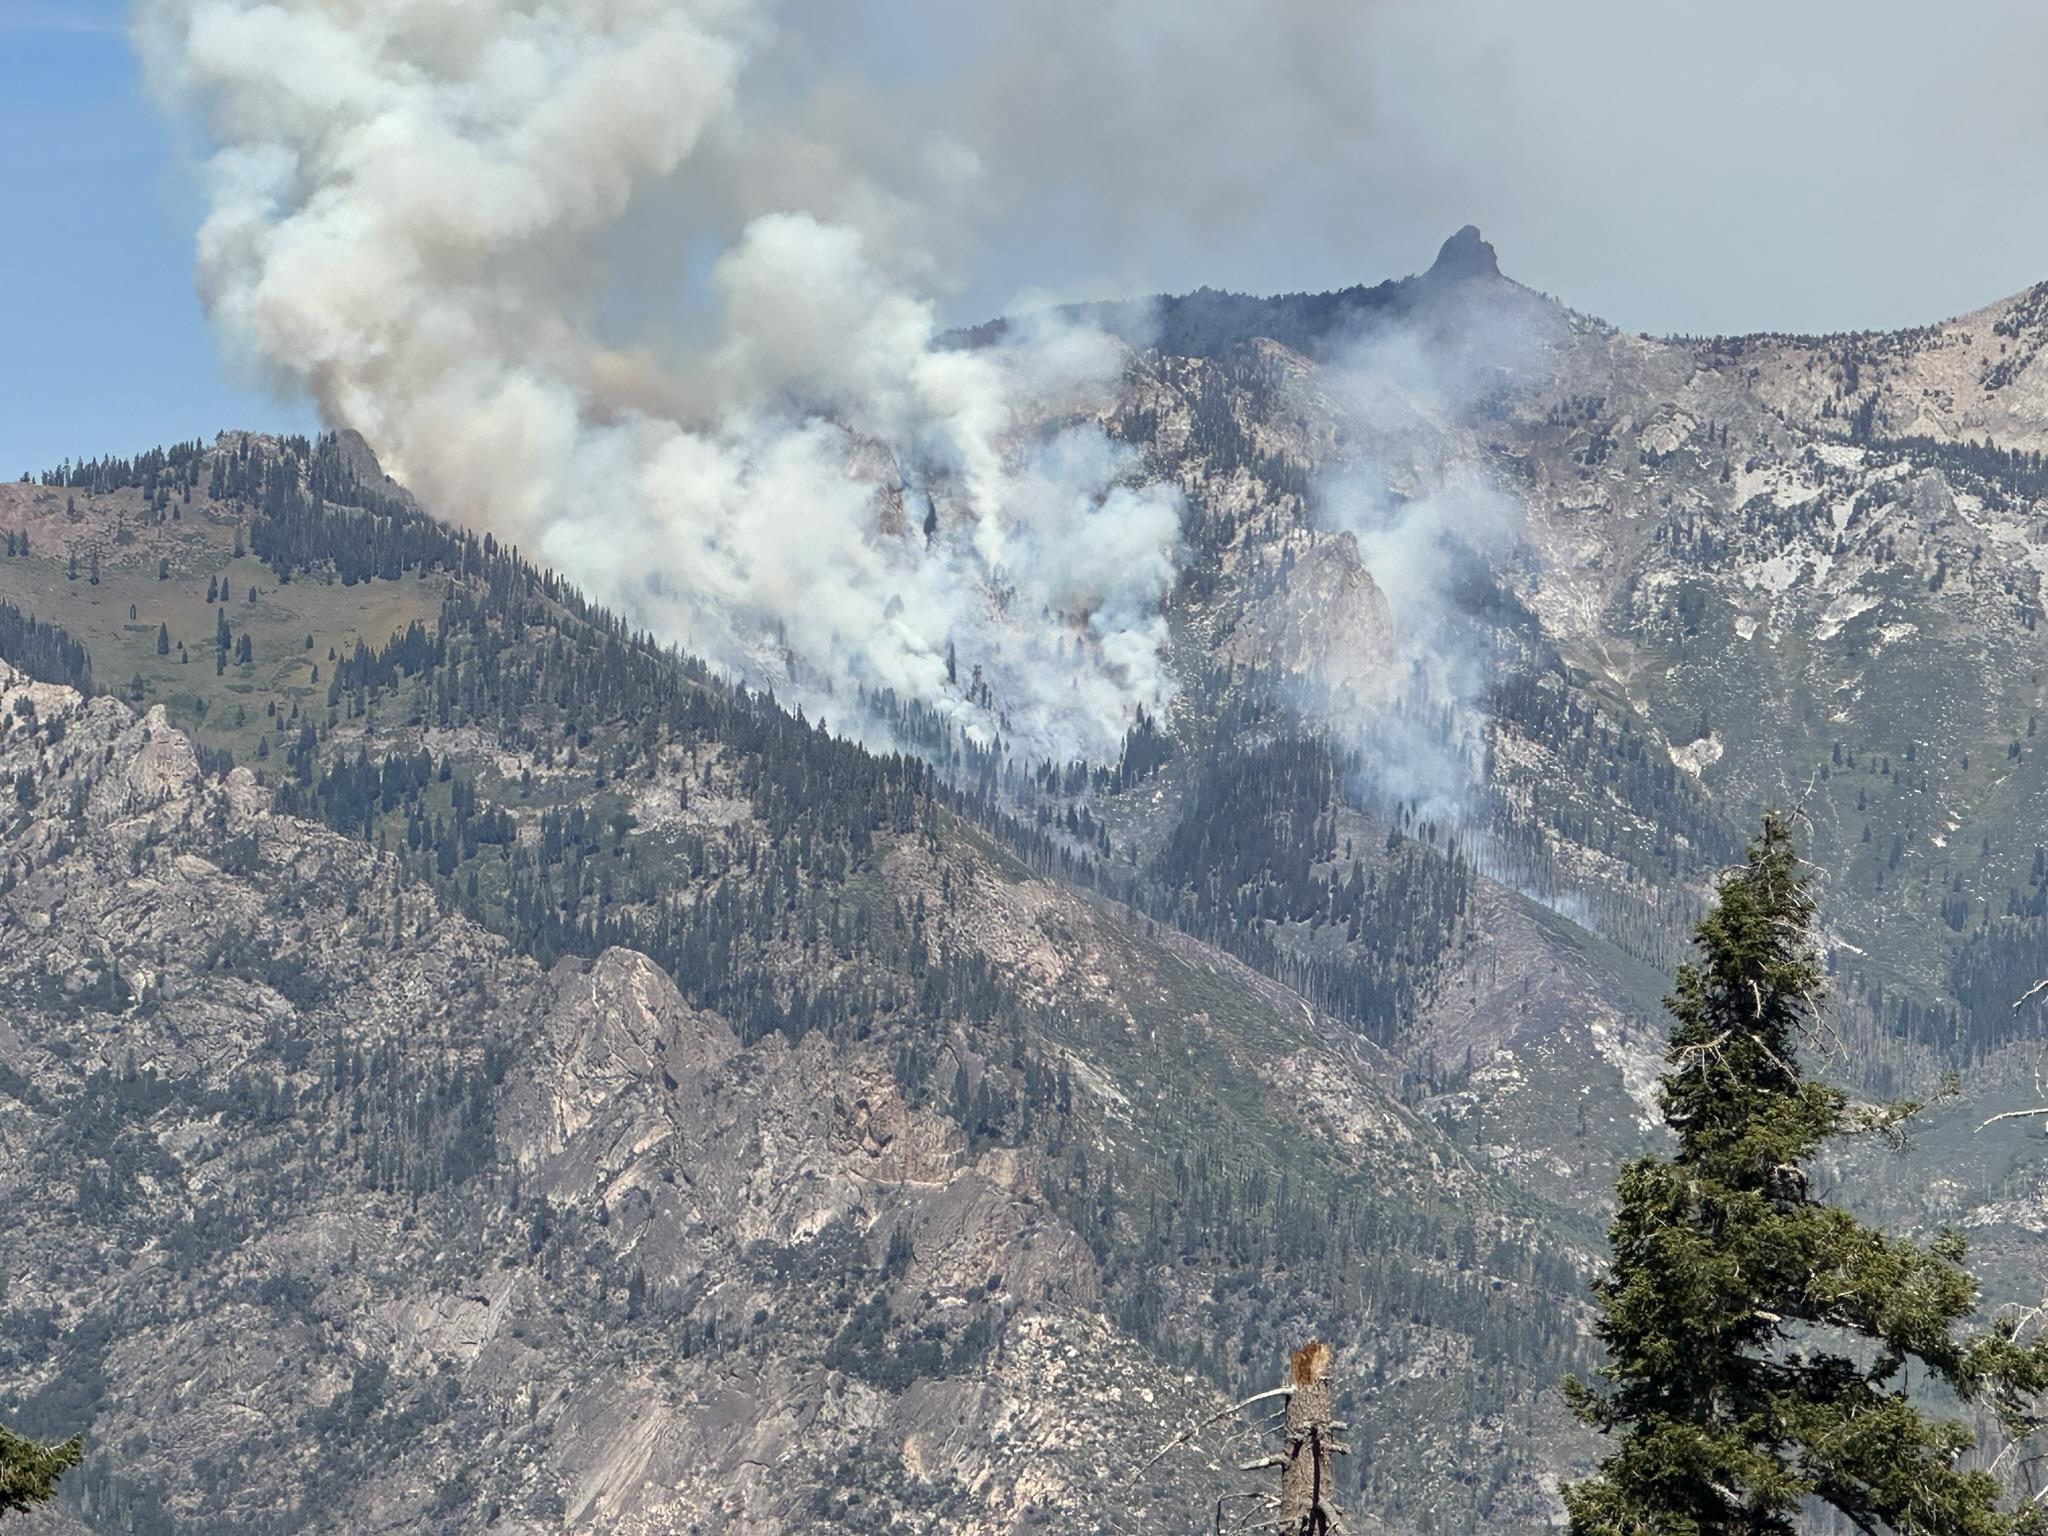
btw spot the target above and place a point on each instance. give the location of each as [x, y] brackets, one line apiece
[1801, 164]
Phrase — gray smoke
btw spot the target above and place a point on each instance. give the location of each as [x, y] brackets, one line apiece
[417, 209]
[1434, 528]
[653, 287]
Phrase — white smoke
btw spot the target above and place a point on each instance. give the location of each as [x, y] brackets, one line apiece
[414, 211]
[1434, 527]
[1423, 738]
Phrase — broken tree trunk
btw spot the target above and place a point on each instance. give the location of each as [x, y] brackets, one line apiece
[1307, 1505]
[1307, 1489]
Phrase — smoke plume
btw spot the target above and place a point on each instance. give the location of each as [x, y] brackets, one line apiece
[434, 217]
[1435, 530]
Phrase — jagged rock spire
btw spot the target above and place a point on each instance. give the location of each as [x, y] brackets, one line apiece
[1466, 254]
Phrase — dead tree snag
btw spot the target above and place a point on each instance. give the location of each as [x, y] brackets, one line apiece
[1307, 1506]
[1306, 1503]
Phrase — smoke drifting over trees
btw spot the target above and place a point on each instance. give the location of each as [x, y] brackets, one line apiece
[409, 212]
[652, 289]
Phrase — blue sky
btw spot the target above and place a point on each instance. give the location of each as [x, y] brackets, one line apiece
[106, 348]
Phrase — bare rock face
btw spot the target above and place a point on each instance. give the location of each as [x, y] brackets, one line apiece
[616, 1038]
[1325, 624]
[551, 1252]
[151, 764]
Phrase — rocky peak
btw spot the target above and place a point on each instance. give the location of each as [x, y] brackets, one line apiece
[357, 456]
[1466, 254]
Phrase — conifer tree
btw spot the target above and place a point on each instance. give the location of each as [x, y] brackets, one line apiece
[29, 1472]
[1759, 1338]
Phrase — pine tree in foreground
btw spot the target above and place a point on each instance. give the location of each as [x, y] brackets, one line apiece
[1759, 1339]
[29, 1472]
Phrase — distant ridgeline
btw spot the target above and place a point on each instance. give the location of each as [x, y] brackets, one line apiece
[1211, 323]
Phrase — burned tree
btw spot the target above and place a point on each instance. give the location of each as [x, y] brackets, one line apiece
[1305, 1502]
[1311, 1426]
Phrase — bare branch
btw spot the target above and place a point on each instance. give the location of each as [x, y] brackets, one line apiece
[2017, 1114]
[1192, 1429]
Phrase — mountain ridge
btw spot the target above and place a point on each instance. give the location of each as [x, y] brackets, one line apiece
[983, 1073]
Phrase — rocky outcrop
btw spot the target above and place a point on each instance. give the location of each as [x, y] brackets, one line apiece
[1465, 255]
[334, 1214]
